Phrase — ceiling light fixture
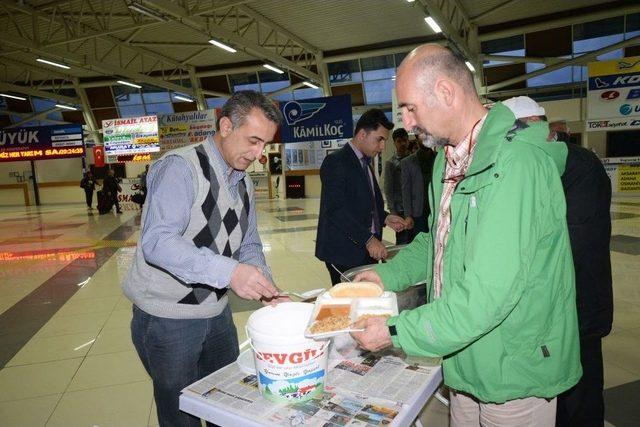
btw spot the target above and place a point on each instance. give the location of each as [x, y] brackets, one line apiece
[19, 98]
[140, 8]
[433, 24]
[183, 98]
[55, 64]
[469, 66]
[410, 1]
[122, 82]
[222, 46]
[272, 68]
[66, 107]
[311, 85]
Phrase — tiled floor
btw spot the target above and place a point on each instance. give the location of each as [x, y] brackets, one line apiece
[66, 352]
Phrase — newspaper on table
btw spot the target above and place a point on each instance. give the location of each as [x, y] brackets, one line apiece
[361, 391]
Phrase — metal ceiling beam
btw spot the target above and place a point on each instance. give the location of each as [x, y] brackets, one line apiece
[285, 90]
[454, 21]
[536, 90]
[36, 116]
[87, 113]
[261, 18]
[216, 93]
[580, 60]
[492, 10]
[92, 64]
[25, 90]
[560, 22]
[521, 59]
[206, 28]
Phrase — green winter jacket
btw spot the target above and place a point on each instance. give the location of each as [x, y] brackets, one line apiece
[506, 323]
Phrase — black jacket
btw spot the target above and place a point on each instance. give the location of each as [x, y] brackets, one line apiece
[344, 226]
[587, 190]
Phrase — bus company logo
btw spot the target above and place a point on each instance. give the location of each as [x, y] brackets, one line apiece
[599, 125]
[626, 109]
[295, 112]
[609, 95]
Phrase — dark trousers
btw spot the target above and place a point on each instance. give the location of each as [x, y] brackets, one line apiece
[116, 202]
[88, 196]
[336, 277]
[178, 352]
[403, 237]
[583, 404]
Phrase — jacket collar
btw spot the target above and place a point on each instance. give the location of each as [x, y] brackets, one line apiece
[491, 137]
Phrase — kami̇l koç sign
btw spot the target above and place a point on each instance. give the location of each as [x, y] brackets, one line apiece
[317, 119]
[130, 136]
[40, 143]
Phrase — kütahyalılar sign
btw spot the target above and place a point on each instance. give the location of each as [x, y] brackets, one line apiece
[40, 143]
[317, 119]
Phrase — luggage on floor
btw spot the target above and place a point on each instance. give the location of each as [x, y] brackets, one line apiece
[105, 202]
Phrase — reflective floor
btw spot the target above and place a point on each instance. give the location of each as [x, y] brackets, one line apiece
[65, 346]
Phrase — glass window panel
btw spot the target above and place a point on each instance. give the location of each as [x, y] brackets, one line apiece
[563, 75]
[270, 76]
[164, 108]
[15, 119]
[399, 57]
[216, 102]
[152, 94]
[3, 102]
[580, 73]
[287, 96]
[519, 52]
[56, 115]
[244, 81]
[307, 93]
[633, 22]
[378, 92]
[506, 44]
[614, 54]
[594, 29]
[268, 87]
[126, 95]
[632, 34]
[344, 71]
[131, 111]
[379, 67]
[33, 123]
[40, 104]
[589, 45]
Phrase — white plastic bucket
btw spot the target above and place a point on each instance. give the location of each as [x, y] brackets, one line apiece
[289, 367]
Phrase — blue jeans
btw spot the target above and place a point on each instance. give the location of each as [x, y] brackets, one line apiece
[178, 352]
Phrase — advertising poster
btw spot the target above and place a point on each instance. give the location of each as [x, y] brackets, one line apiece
[182, 129]
[130, 186]
[41, 143]
[628, 178]
[613, 97]
[130, 136]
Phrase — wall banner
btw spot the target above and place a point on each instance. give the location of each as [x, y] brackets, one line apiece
[613, 97]
[130, 136]
[182, 129]
[41, 143]
[317, 119]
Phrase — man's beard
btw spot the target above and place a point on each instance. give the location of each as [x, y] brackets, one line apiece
[428, 140]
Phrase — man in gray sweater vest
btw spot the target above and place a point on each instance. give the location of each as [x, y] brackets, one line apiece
[199, 238]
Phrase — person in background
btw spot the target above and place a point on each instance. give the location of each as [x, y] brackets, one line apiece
[416, 177]
[199, 239]
[143, 180]
[393, 180]
[112, 187]
[497, 261]
[88, 183]
[587, 190]
[351, 207]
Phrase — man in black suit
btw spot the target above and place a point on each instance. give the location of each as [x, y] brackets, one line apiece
[351, 207]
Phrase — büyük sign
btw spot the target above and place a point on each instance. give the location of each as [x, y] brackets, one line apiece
[41, 143]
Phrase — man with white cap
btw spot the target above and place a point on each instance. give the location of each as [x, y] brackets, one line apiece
[588, 194]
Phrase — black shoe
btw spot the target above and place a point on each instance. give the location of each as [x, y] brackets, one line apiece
[118, 211]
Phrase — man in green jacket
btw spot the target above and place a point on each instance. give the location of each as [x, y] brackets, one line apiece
[497, 259]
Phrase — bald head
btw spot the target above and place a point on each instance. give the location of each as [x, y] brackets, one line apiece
[429, 62]
[436, 94]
